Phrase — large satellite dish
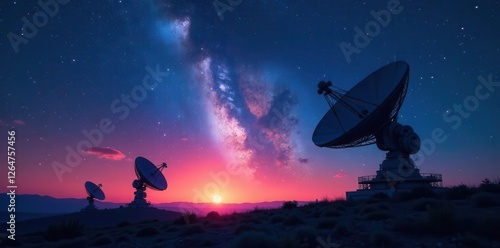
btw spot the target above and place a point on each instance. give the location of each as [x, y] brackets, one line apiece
[148, 176]
[94, 191]
[367, 114]
[361, 112]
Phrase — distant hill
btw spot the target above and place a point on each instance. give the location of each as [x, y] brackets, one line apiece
[32, 203]
[29, 206]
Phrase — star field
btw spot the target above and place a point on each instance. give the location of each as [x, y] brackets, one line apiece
[171, 81]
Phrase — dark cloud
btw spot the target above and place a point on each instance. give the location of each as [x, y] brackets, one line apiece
[278, 124]
[105, 152]
[303, 160]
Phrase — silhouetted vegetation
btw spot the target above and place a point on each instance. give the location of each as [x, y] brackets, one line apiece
[65, 230]
[290, 204]
[213, 215]
[459, 192]
[186, 218]
[489, 186]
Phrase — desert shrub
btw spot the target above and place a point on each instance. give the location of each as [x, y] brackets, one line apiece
[327, 223]
[293, 220]
[330, 212]
[488, 186]
[104, 240]
[417, 193]
[186, 218]
[440, 220]
[377, 215]
[290, 204]
[484, 200]
[255, 239]
[422, 204]
[277, 218]
[459, 192]
[306, 236]
[213, 215]
[147, 231]
[381, 239]
[257, 210]
[65, 230]
[192, 229]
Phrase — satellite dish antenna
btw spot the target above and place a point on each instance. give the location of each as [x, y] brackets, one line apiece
[367, 114]
[94, 191]
[148, 176]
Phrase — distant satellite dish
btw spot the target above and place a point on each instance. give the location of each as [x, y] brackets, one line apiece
[148, 175]
[367, 114]
[94, 191]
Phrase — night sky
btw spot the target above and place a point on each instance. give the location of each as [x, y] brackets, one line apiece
[229, 100]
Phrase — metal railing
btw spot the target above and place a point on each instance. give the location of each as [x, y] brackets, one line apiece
[436, 180]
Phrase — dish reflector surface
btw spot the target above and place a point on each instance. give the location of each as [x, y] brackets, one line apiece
[379, 97]
[93, 190]
[150, 174]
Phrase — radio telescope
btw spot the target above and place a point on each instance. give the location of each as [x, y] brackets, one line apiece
[94, 191]
[367, 114]
[148, 176]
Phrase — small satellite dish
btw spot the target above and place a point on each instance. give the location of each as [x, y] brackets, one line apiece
[150, 176]
[367, 114]
[94, 191]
